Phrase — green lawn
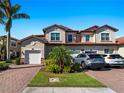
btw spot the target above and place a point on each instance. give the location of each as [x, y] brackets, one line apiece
[66, 80]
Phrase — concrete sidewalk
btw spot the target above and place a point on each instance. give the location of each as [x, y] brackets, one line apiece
[66, 90]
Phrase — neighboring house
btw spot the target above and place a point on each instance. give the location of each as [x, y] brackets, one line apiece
[14, 46]
[121, 46]
[98, 39]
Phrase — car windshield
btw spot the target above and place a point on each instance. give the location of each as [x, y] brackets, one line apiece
[115, 56]
[81, 55]
[95, 56]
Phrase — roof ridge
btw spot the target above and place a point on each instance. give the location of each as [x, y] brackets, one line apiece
[60, 26]
[89, 28]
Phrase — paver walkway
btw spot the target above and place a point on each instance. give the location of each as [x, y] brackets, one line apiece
[113, 78]
[15, 80]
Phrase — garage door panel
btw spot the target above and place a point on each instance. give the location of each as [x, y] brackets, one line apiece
[33, 57]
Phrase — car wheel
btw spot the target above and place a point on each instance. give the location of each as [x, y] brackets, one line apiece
[83, 65]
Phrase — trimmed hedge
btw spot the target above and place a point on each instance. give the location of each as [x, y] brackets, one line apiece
[4, 66]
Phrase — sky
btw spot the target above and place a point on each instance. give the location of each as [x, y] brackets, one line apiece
[76, 14]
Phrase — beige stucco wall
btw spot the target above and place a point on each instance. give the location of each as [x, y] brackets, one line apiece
[74, 36]
[12, 48]
[92, 37]
[105, 30]
[121, 50]
[27, 45]
[56, 30]
[98, 48]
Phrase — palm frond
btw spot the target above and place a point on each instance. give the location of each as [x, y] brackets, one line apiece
[15, 9]
[19, 16]
[6, 7]
[2, 21]
[2, 14]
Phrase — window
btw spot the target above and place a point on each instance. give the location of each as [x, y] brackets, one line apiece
[105, 37]
[13, 43]
[87, 38]
[108, 51]
[81, 55]
[70, 38]
[55, 36]
[92, 56]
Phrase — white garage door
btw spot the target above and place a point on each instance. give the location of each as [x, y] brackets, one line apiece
[33, 57]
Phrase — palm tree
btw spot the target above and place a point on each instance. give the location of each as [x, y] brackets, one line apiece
[8, 13]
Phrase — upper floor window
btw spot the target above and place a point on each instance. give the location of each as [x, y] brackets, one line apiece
[13, 44]
[70, 38]
[55, 36]
[105, 37]
[87, 38]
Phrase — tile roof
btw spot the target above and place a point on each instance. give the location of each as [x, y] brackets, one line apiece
[113, 28]
[11, 37]
[60, 26]
[95, 27]
[40, 37]
[90, 29]
[84, 43]
[120, 40]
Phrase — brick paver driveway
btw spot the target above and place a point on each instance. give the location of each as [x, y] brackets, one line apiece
[15, 80]
[112, 78]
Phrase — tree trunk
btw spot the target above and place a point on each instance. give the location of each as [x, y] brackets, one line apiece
[8, 45]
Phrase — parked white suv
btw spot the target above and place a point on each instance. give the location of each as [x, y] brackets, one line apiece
[114, 60]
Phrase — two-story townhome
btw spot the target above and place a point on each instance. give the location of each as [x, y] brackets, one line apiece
[98, 39]
[14, 46]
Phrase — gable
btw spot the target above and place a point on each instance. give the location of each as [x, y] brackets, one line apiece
[105, 29]
[54, 28]
[34, 37]
[31, 41]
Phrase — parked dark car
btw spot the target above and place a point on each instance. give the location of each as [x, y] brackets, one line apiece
[97, 61]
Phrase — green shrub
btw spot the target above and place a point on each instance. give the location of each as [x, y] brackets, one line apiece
[17, 61]
[4, 66]
[48, 62]
[8, 61]
[67, 69]
[76, 67]
[53, 68]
